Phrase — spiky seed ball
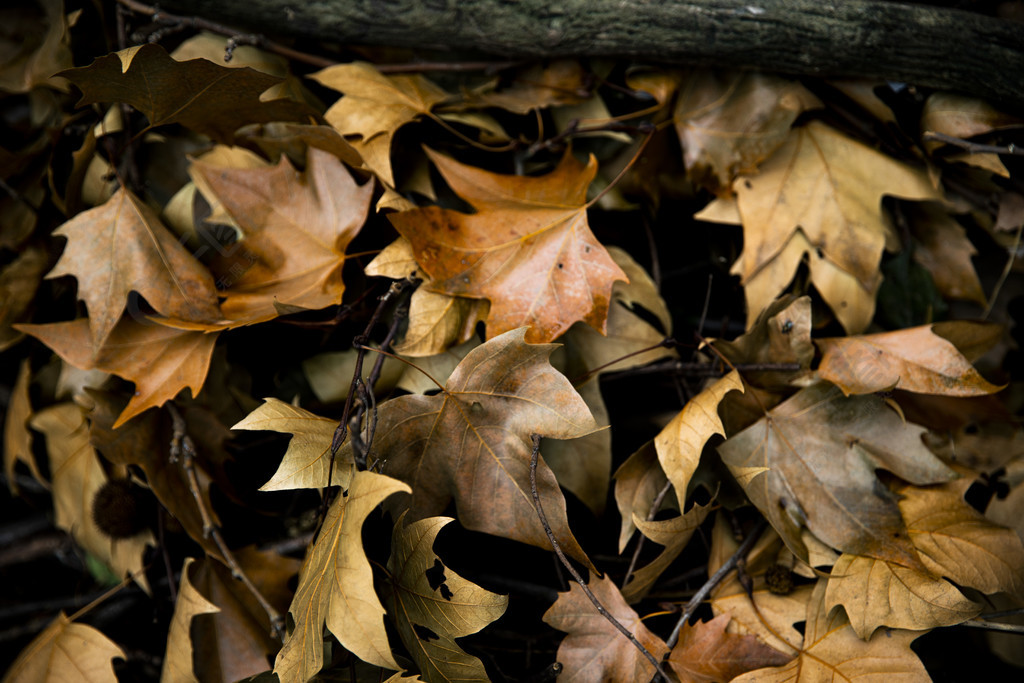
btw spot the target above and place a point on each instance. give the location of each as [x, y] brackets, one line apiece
[119, 509]
[779, 579]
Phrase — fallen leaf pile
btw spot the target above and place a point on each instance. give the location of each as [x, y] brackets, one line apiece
[380, 355]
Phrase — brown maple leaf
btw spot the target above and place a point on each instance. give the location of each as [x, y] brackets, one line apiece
[472, 442]
[528, 248]
[208, 98]
[706, 653]
[295, 227]
[120, 247]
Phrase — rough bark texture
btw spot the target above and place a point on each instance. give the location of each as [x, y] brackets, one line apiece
[927, 46]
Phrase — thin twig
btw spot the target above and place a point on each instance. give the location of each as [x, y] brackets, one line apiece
[1011, 258]
[183, 449]
[176, 21]
[993, 625]
[667, 342]
[709, 585]
[572, 570]
[698, 369]
[655, 506]
[974, 147]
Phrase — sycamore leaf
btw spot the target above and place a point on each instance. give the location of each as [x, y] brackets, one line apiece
[121, 247]
[960, 116]
[680, 443]
[538, 86]
[432, 606]
[528, 248]
[235, 642]
[293, 140]
[66, 653]
[672, 533]
[958, 542]
[439, 367]
[17, 437]
[35, 46]
[944, 250]
[374, 107]
[595, 651]
[707, 654]
[782, 334]
[833, 652]
[876, 593]
[638, 481]
[914, 359]
[295, 228]
[471, 442]
[729, 122]
[584, 465]
[145, 443]
[178, 665]
[161, 361]
[336, 587]
[76, 475]
[19, 283]
[208, 98]
[308, 456]
[821, 451]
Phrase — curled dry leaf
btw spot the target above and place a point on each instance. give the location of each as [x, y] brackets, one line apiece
[528, 248]
[17, 438]
[374, 107]
[69, 652]
[832, 651]
[707, 654]
[680, 443]
[672, 533]
[296, 227]
[178, 666]
[308, 457]
[336, 587]
[121, 247]
[810, 463]
[729, 121]
[595, 651]
[432, 606]
[208, 98]
[161, 361]
[638, 481]
[471, 442]
[914, 359]
[876, 593]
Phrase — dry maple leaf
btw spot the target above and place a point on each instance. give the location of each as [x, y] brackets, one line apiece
[638, 482]
[471, 442]
[336, 587]
[528, 248]
[781, 334]
[66, 651]
[77, 475]
[120, 247]
[308, 456]
[295, 228]
[432, 606]
[729, 122]
[914, 359]
[706, 653]
[672, 533]
[208, 98]
[876, 593]
[178, 665]
[944, 250]
[161, 361]
[374, 107]
[811, 461]
[595, 651]
[832, 651]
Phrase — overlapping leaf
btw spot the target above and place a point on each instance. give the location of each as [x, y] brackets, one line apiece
[528, 248]
[672, 533]
[432, 606]
[66, 651]
[811, 463]
[210, 99]
[471, 442]
[706, 653]
[178, 666]
[336, 587]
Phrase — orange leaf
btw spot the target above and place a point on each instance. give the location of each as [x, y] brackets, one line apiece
[296, 227]
[161, 361]
[121, 246]
[915, 360]
[706, 653]
[528, 249]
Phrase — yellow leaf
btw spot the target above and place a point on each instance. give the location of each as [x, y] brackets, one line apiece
[66, 653]
[305, 463]
[178, 657]
[336, 587]
[672, 533]
[638, 481]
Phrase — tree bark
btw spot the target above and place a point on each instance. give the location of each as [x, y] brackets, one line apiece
[927, 46]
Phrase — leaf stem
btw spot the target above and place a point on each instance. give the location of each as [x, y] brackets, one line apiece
[572, 570]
